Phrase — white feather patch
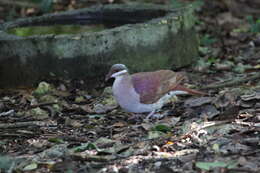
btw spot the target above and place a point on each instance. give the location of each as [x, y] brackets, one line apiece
[118, 73]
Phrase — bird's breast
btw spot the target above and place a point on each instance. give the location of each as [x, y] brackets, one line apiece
[127, 97]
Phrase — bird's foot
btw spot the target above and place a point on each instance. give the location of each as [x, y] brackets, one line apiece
[141, 117]
[150, 115]
[153, 115]
[136, 118]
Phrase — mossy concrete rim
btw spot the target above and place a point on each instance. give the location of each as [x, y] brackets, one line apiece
[166, 41]
[170, 13]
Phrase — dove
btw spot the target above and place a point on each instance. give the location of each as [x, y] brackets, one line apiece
[146, 91]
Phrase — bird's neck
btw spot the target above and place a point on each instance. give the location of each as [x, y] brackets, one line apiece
[123, 81]
[125, 78]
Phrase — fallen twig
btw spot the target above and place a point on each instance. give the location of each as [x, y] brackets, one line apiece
[18, 3]
[242, 170]
[24, 124]
[2, 135]
[10, 112]
[94, 158]
[41, 104]
[201, 127]
[234, 82]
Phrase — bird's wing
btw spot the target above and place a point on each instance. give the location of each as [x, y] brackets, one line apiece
[151, 86]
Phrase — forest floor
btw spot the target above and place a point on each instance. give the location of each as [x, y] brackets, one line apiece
[61, 127]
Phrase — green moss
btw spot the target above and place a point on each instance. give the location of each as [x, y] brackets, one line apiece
[42, 89]
[189, 18]
[55, 29]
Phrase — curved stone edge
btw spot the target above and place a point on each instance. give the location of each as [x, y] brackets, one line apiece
[95, 13]
[173, 31]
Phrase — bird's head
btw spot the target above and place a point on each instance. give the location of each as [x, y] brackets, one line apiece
[116, 70]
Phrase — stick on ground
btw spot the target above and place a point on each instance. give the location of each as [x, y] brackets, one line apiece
[234, 82]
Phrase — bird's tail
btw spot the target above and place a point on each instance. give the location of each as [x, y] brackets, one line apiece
[183, 89]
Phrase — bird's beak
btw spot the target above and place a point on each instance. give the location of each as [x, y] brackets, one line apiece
[108, 76]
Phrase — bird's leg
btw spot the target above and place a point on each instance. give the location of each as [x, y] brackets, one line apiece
[154, 115]
[136, 117]
[150, 115]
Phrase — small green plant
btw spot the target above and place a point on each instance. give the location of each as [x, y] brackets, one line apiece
[161, 128]
[178, 3]
[207, 40]
[45, 5]
[254, 24]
